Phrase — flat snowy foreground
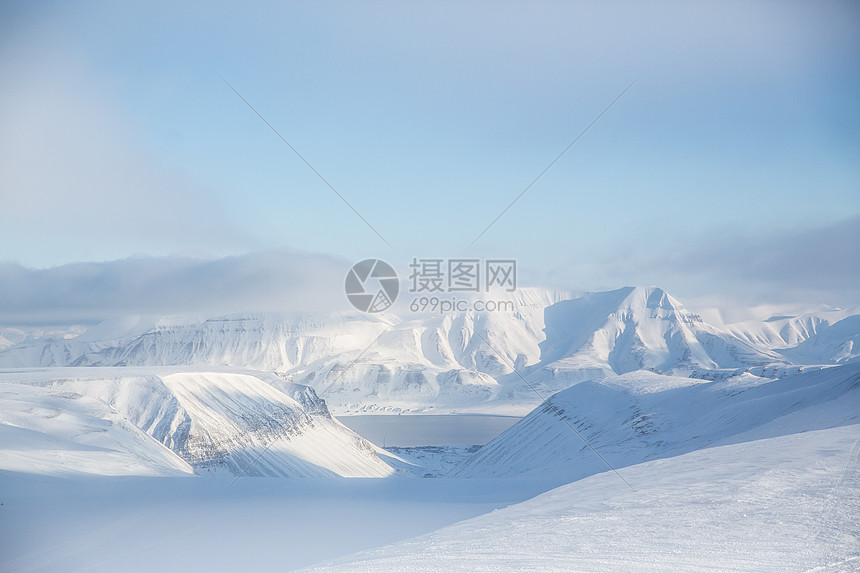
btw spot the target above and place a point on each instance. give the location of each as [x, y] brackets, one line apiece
[789, 503]
[187, 524]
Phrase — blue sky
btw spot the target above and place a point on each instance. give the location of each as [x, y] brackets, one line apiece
[121, 140]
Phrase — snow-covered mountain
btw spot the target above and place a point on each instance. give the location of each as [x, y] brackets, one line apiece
[786, 331]
[742, 435]
[465, 361]
[640, 416]
[166, 421]
[837, 344]
[359, 360]
[628, 329]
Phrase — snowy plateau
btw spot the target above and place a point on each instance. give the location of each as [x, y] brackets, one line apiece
[647, 440]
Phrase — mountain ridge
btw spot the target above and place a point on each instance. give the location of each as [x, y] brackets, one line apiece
[450, 361]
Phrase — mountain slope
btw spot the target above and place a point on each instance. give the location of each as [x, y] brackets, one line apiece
[211, 421]
[50, 430]
[640, 416]
[836, 344]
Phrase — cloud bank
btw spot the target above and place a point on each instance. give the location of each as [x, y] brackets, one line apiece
[89, 292]
[817, 265]
[814, 264]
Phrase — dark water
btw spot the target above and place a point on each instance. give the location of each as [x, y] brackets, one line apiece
[429, 430]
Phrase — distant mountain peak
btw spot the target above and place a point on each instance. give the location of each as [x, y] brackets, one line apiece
[636, 328]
